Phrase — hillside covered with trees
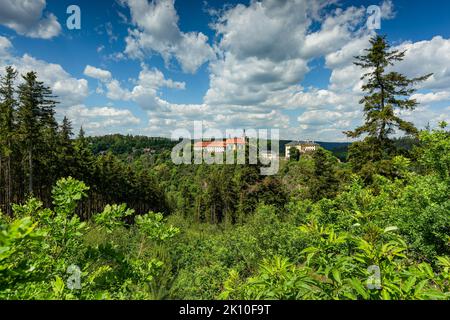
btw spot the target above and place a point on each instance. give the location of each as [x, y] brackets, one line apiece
[114, 218]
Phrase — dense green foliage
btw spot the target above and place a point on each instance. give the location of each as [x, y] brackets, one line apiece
[40, 248]
[129, 145]
[296, 249]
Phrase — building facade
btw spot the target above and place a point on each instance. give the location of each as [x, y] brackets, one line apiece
[302, 146]
[220, 146]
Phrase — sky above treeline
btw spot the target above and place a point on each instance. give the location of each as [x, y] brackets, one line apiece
[150, 67]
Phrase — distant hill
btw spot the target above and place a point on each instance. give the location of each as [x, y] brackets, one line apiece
[128, 144]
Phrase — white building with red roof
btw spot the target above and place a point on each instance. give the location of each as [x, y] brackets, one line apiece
[220, 146]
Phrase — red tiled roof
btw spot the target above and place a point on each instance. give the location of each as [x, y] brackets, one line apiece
[202, 144]
[218, 143]
[235, 141]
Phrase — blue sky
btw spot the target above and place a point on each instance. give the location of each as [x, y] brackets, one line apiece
[150, 67]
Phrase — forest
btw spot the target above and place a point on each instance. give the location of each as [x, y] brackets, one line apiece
[113, 218]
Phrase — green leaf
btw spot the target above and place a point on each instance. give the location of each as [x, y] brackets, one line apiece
[409, 283]
[337, 275]
[389, 229]
[356, 284]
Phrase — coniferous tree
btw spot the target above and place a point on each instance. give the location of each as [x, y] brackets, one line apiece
[387, 92]
[28, 120]
[66, 131]
[49, 161]
[35, 116]
[84, 158]
[66, 153]
[324, 183]
[7, 109]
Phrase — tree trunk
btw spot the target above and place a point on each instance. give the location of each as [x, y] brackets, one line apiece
[2, 185]
[30, 168]
[9, 187]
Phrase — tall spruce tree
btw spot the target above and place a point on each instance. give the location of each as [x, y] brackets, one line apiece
[66, 148]
[7, 109]
[35, 116]
[66, 130]
[386, 92]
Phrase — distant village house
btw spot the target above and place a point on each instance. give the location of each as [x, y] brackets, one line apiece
[302, 146]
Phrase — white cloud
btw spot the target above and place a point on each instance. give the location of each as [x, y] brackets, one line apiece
[28, 18]
[344, 56]
[101, 120]
[257, 57]
[428, 56]
[266, 47]
[329, 118]
[323, 98]
[5, 46]
[71, 92]
[387, 10]
[425, 115]
[146, 89]
[157, 31]
[116, 92]
[97, 73]
[336, 30]
[251, 81]
[431, 97]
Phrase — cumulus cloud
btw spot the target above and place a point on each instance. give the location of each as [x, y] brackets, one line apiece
[157, 31]
[145, 91]
[428, 56]
[116, 92]
[426, 115]
[101, 120]
[266, 48]
[5, 46]
[97, 73]
[28, 18]
[431, 97]
[387, 10]
[251, 81]
[336, 30]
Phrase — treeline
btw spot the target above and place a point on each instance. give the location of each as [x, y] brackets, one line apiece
[36, 150]
[120, 144]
